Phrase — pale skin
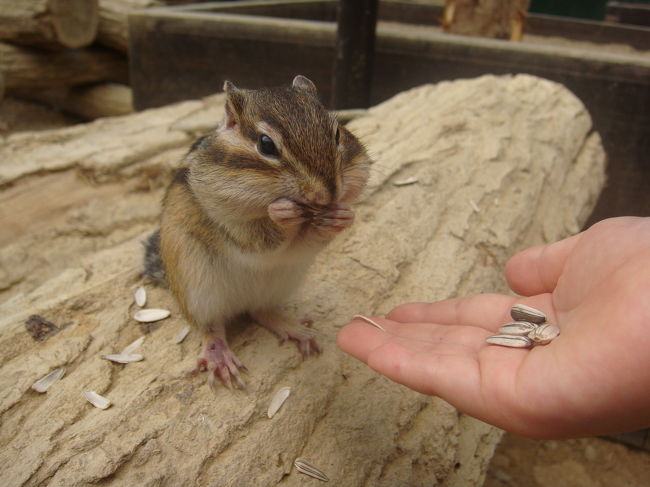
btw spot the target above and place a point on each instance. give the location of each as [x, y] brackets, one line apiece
[593, 379]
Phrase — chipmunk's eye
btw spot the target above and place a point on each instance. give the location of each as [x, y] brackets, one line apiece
[337, 137]
[266, 146]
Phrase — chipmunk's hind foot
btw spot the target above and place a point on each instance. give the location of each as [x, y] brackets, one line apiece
[220, 362]
[282, 326]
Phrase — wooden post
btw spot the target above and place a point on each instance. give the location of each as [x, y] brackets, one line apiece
[355, 46]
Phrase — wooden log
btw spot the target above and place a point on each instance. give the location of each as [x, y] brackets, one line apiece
[485, 189]
[502, 19]
[113, 21]
[88, 102]
[2, 86]
[49, 23]
[26, 68]
[113, 28]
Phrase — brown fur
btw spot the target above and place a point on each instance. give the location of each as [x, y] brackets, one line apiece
[222, 251]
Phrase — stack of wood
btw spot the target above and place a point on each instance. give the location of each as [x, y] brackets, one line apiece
[69, 54]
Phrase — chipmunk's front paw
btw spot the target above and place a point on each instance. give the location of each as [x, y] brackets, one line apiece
[335, 219]
[286, 213]
[221, 362]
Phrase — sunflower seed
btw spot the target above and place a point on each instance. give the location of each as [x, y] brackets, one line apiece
[406, 181]
[140, 296]
[182, 334]
[520, 328]
[278, 401]
[150, 315]
[521, 312]
[368, 320]
[510, 341]
[303, 466]
[132, 347]
[122, 358]
[96, 400]
[543, 334]
[43, 384]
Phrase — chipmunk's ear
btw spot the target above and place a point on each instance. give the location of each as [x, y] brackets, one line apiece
[303, 83]
[234, 104]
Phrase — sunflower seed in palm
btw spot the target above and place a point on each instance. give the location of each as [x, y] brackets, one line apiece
[521, 328]
[543, 334]
[512, 341]
[521, 312]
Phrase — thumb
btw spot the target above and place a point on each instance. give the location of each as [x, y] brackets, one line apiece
[536, 270]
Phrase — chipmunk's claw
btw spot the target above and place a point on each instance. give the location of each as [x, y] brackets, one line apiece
[335, 219]
[220, 362]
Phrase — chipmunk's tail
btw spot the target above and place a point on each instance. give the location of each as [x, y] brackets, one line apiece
[153, 265]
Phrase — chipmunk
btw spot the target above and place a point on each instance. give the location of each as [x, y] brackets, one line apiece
[248, 211]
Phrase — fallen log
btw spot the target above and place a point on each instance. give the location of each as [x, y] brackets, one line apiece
[49, 23]
[113, 21]
[27, 68]
[88, 102]
[496, 164]
[113, 30]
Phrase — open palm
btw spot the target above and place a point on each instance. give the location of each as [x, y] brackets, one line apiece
[593, 379]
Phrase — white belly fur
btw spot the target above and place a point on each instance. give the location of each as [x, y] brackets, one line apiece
[231, 286]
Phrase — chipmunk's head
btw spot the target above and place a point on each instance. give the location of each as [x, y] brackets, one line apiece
[277, 143]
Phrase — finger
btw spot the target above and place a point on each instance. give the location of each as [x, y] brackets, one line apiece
[417, 336]
[452, 373]
[536, 270]
[446, 368]
[487, 311]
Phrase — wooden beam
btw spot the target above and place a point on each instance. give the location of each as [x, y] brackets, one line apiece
[355, 52]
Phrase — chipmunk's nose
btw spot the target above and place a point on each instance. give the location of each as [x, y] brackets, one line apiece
[315, 192]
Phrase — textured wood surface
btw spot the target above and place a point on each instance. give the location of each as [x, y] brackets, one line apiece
[501, 163]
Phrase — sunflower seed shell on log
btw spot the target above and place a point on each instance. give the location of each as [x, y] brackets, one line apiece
[368, 320]
[543, 334]
[512, 341]
[133, 346]
[521, 312]
[151, 314]
[303, 466]
[96, 400]
[140, 296]
[43, 384]
[406, 181]
[182, 334]
[278, 400]
[521, 328]
[122, 358]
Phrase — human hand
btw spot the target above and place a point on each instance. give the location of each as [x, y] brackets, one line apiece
[593, 379]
